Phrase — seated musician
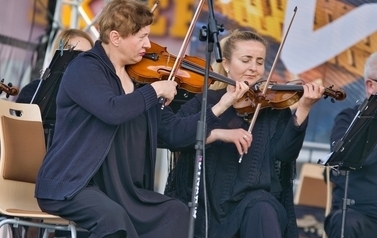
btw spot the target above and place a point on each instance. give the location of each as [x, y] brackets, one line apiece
[250, 197]
[361, 217]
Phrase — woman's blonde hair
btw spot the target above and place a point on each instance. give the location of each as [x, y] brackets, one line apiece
[62, 40]
[227, 45]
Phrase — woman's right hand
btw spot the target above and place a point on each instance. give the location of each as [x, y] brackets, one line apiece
[166, 89]
[239, 137]
[233, 93]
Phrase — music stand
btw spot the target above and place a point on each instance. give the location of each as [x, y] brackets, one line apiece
[350, 152]
[45, 95]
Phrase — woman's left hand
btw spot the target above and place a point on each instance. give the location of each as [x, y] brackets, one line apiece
[312, 94]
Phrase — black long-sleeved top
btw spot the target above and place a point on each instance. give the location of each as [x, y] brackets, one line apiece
[233, 186]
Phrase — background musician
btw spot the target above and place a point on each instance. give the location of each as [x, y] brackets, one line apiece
[361, 217]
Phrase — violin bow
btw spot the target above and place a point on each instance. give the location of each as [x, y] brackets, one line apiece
[155, 6]
[257, 109]
[183, 48]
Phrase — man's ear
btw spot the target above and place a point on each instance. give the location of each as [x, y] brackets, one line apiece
[369, 87]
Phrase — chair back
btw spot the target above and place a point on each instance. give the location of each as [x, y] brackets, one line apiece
[22, 148]
[311, 190]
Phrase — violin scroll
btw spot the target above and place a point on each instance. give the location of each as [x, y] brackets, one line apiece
[8, 89]
[339, 94]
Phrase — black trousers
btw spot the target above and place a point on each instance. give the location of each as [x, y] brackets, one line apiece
[261, 221]
[102, 217]
[356, 225]
[93, 210]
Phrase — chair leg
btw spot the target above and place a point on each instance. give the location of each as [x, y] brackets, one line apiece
[73, 230]
[5, 231]
[46, 232]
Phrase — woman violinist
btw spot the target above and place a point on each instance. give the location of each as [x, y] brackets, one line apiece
[253, 198]
[99, 169]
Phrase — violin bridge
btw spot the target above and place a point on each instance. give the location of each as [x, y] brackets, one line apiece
[168, 60]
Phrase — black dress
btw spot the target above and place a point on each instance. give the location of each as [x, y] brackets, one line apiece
[126, 176]
[265, 174]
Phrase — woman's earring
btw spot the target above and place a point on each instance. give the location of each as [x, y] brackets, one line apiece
[227, 71]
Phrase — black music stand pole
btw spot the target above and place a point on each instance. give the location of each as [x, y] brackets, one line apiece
[345, 203]
[210, 34]
[350, 152]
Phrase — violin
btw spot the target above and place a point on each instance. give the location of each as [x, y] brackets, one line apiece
[277, 96]
[8, 89]
[157, 64]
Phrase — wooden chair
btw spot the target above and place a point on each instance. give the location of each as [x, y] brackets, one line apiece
[22, 148]
[313, 191]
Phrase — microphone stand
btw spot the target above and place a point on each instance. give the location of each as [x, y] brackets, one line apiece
[210, 34]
